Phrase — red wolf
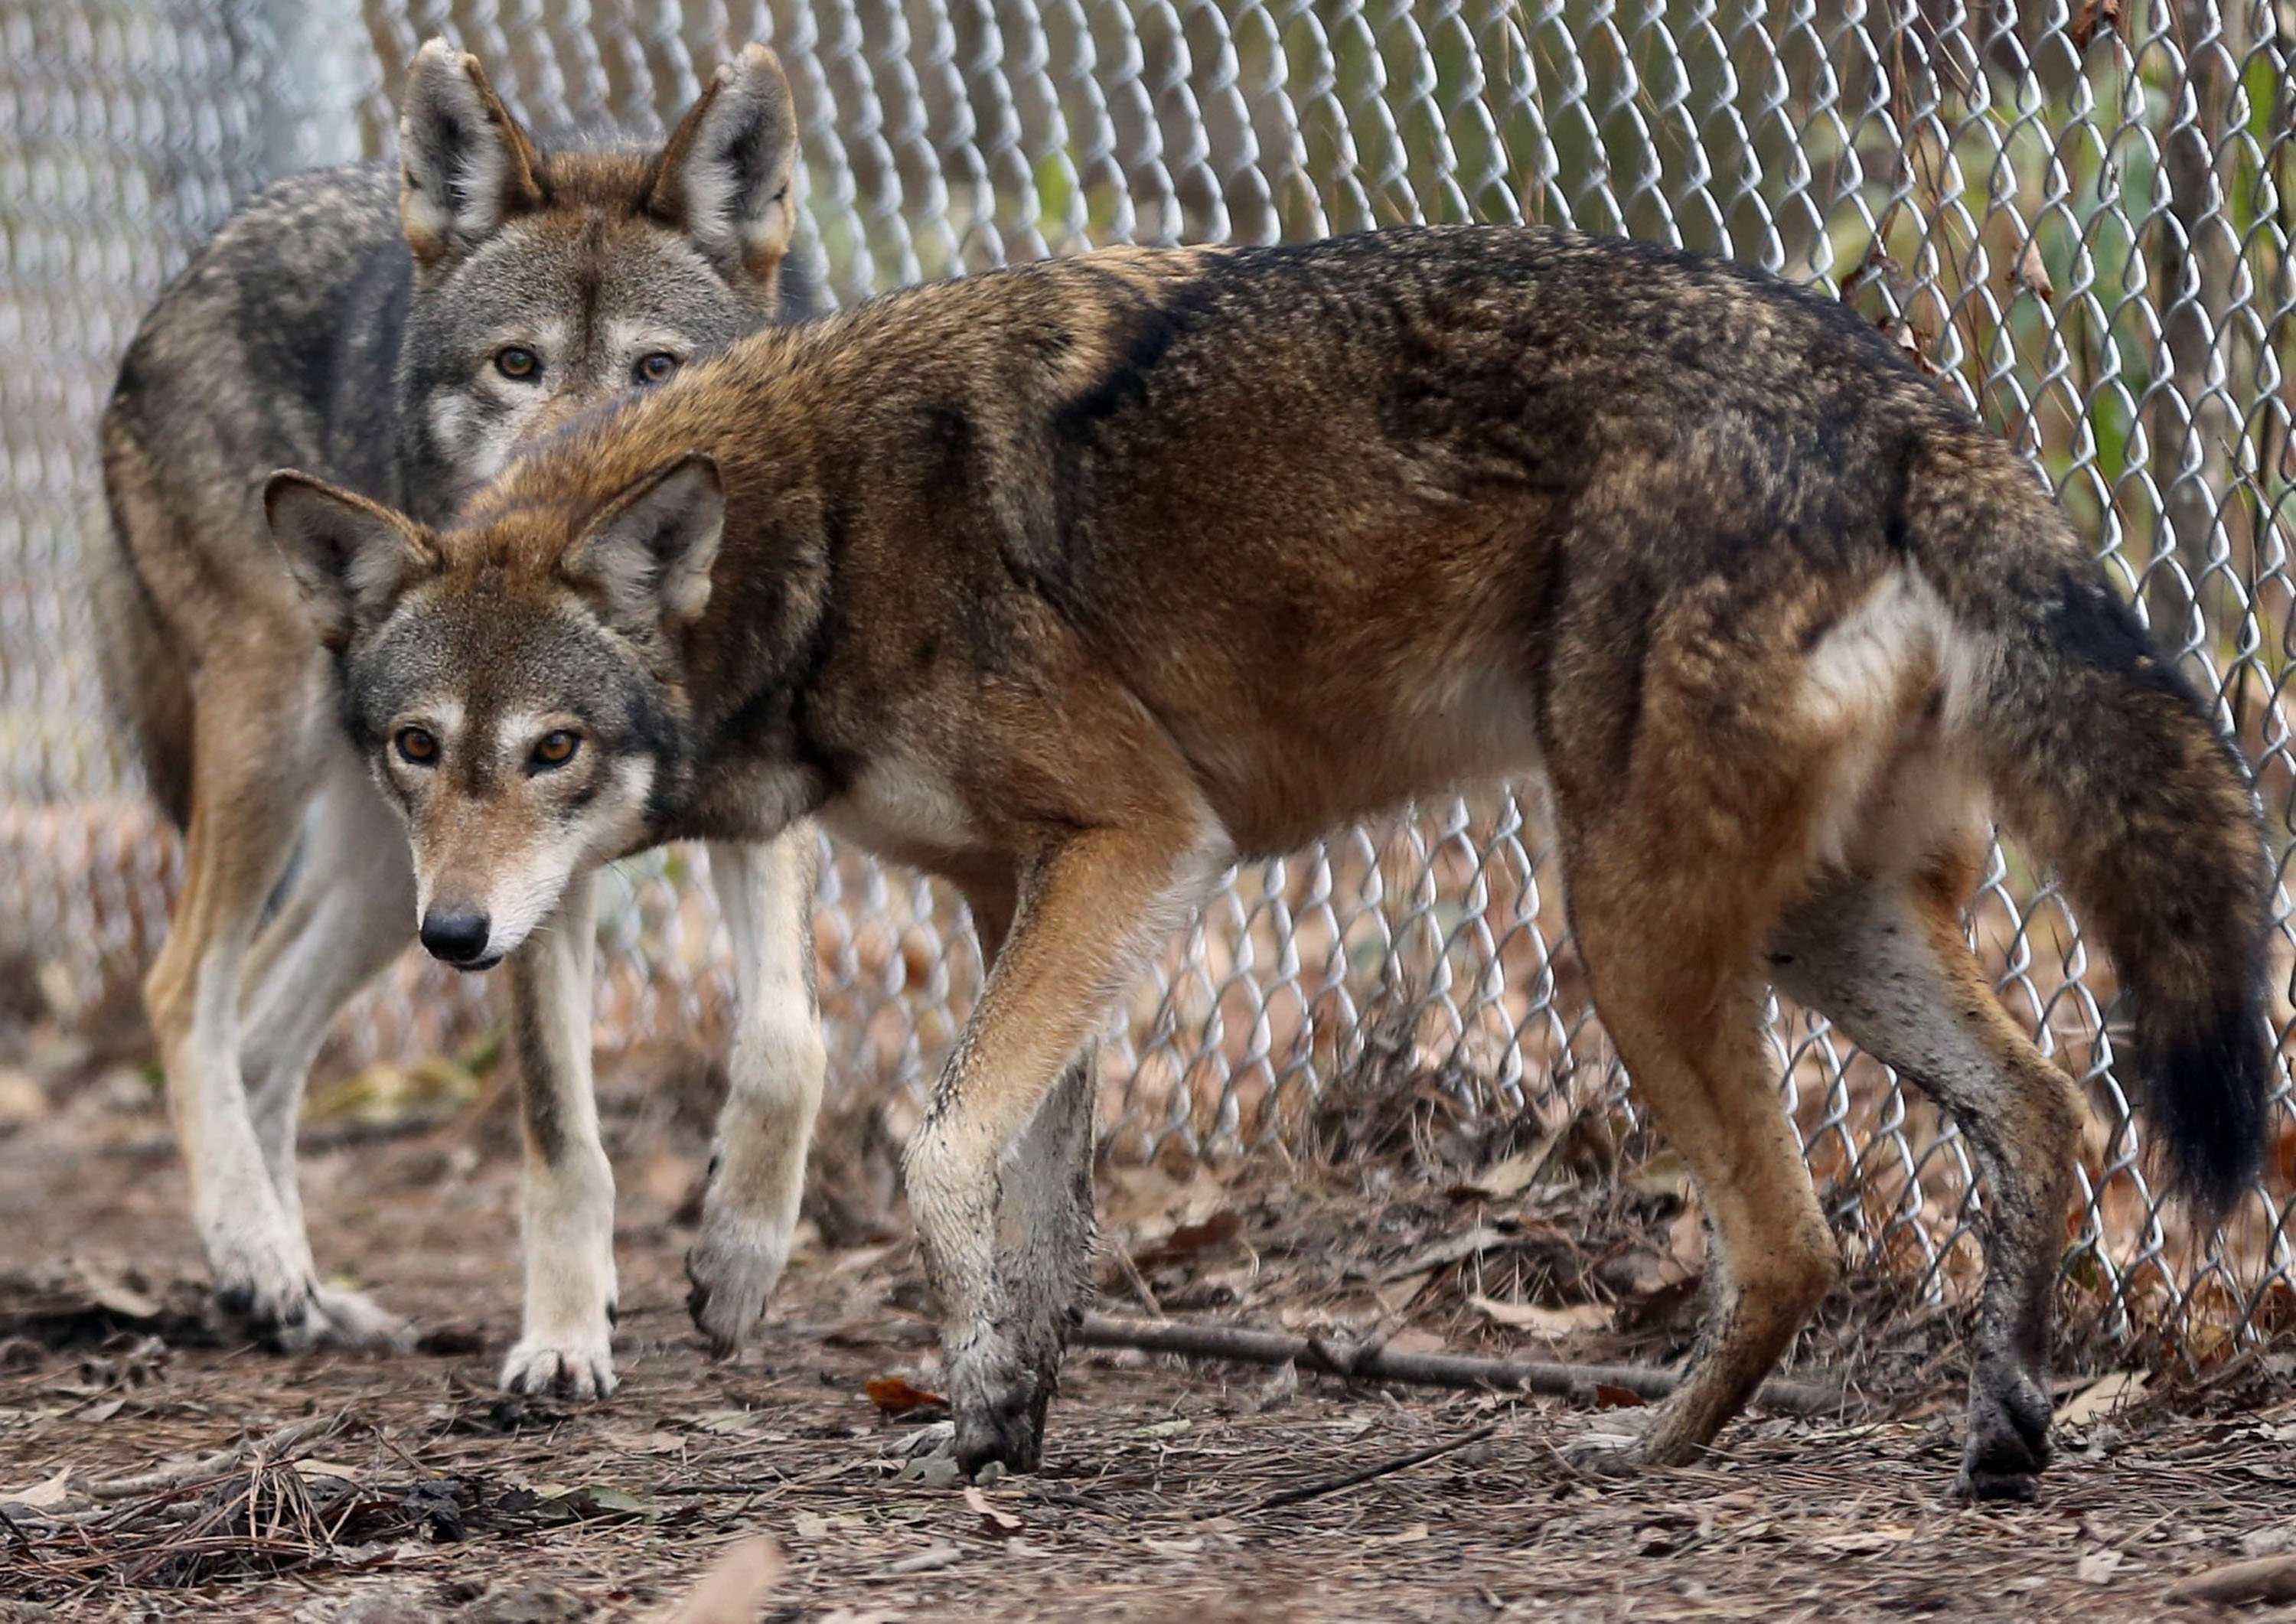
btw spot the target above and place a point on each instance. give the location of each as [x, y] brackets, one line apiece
[1073, 583]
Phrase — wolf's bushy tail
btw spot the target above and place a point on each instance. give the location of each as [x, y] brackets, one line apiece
[2103, 757]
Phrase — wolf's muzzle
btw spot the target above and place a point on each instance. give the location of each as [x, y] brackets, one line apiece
[459, 939]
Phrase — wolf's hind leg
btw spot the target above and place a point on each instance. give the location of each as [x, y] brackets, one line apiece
[256, 753]
[757, 1171]
[1708, 1081]
[1888, 962]
[1670, 932]
[348, 913]
[566, 1344]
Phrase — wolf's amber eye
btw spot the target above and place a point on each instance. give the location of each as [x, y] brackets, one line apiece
[658, 367]
[517, 361]
[556, 749]
[417, 746]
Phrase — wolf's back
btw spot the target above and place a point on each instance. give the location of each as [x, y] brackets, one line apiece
[2104, 757]
[219, 381]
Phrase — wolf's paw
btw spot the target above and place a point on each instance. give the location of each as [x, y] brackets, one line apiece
[580, 1368]
[263, 1279]
[340, 1318]
[2008, 1441]
[928, 1456]
[999, 1415]
[933, 1438]
[1616, 1445]
[733, 1267]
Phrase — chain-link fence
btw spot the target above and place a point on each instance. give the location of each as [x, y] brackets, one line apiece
[2077, 214]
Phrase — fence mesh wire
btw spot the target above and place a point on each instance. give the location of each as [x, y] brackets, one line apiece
[2077, 216]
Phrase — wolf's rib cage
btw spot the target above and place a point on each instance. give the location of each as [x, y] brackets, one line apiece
[2076, 214]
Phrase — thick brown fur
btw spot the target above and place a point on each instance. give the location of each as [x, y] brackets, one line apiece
[1076, 581]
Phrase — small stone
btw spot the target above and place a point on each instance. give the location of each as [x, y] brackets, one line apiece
[929, 1472]
[2269, 1541]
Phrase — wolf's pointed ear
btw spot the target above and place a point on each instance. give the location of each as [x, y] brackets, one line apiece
[649, 550]
[465, 164]
[351, 557]
[724, 176]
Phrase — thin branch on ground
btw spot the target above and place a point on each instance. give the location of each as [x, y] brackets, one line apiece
[1311, 1491]
[270, 1447]
[1371, 1361]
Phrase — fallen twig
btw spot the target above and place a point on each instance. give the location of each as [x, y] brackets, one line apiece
[181, 1511]
[2267, 1579]
[1310, 1491]
[929, 1561]
[270, 1447]
[1373, 1362]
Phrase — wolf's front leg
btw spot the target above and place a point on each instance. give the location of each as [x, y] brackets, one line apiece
[1044, 1224]
[1045, 1230]
[997, 1176]
[565, 1349]
[333, 936]
[757, 1171]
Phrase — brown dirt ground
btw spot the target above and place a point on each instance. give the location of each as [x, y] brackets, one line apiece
[435, 1498]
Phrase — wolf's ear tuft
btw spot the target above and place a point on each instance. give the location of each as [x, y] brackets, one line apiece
[724, 176]
[351, 557]
[466, 165]
[648, 552]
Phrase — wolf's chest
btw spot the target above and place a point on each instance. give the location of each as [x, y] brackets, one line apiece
[902, 808]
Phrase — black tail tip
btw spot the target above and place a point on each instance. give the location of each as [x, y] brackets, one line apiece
[2209, 1093]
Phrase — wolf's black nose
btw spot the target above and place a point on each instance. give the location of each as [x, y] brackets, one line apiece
[456, 938]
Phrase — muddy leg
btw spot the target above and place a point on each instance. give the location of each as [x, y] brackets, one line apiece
[1045, 1232]
[994, 1173]
[1889, 965]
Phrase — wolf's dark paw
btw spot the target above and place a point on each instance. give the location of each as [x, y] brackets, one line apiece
[1001, 1419]
[262, 1275]
[1012, 1437]
[1978, 1485]
[2008, 1441]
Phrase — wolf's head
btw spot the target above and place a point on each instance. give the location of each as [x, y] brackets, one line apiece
[544, 282]
[518, 691]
